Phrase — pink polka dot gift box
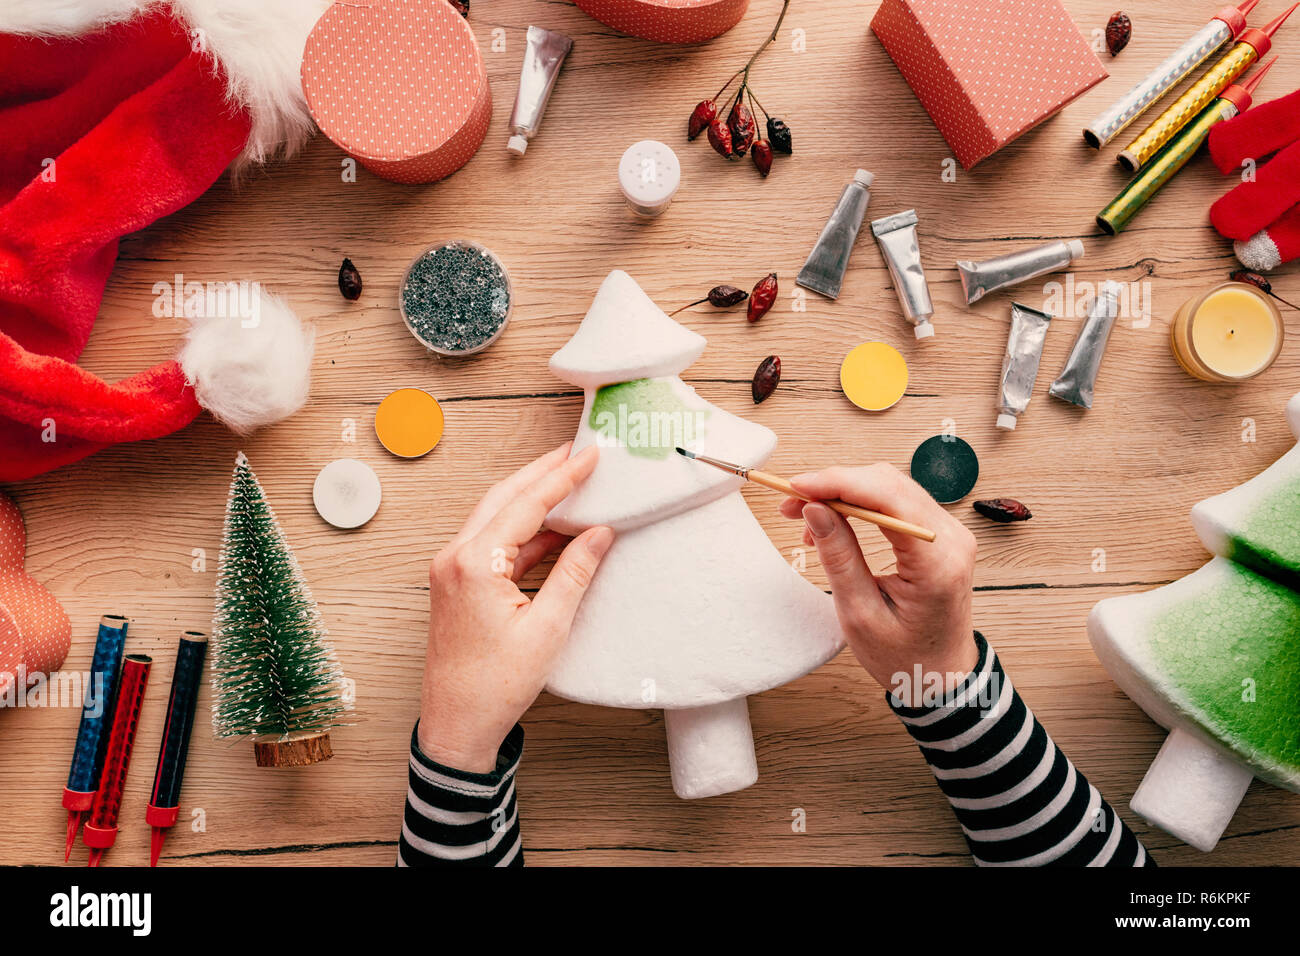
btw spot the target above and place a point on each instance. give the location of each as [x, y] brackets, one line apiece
[668, 21]
[34, 629]
[987, 71]
[399, 85]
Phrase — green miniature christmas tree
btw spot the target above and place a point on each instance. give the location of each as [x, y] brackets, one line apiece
[274, 676]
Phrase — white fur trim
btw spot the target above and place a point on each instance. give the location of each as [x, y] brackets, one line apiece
[1259, 252]
[258, 43]
[252, 369]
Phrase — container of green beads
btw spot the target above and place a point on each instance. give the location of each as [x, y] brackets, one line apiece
[455, 298]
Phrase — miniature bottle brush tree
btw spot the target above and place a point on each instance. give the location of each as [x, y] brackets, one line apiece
[274, 676]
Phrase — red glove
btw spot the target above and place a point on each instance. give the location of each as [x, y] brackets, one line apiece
[1261, 215]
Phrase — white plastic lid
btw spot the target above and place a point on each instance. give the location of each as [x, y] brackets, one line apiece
[1007, 421]
[924, 331]
[1076, 249]
[517, 145]
[347, 493]
[864, 178]
[649, 173]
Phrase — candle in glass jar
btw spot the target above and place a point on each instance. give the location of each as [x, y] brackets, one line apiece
[1229, 334]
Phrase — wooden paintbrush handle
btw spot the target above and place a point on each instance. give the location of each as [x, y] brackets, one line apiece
[777, 483]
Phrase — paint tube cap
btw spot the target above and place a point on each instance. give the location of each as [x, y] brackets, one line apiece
[864, 178]
[1076, 249]
[924, 330]
[517, 145]
[1007, 422]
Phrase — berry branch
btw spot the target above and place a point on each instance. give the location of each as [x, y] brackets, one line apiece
[738, 135]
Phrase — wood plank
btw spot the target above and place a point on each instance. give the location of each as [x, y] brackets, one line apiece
[118, 532]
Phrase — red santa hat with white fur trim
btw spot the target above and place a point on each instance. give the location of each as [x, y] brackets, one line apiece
[116, 113]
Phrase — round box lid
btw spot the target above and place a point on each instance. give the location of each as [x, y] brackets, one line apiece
[399, 85]
[668, 21]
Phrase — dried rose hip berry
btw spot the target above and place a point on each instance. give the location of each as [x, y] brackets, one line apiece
[720, 138]
[1259, 282]
[761, 299]
[1118, 31]
[766, 378]
[779, 135]
[462, 7]
[705, 112]
[1003, 510]
[742, 126]
[725, 296]
[762, 153]
[349, 281]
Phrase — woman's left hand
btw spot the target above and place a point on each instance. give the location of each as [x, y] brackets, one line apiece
[490, 647]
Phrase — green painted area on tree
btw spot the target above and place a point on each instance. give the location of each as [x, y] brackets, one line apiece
[1269, 537]
[646, 417]
[1231, 655]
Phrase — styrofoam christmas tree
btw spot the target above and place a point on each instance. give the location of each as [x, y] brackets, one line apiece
[1215, 657]
[692, 609]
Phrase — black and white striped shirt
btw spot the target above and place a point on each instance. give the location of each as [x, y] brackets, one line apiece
[456, 818]
[1018, 798]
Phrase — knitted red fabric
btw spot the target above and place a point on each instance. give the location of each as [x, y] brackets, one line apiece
[137, 125]
[1254, 205]
[1271, 247]
[1257, 133]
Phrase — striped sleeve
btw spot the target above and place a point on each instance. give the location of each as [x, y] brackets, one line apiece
[1018, 798]
[455, 818]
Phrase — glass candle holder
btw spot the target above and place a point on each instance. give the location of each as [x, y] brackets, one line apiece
[1230, 333]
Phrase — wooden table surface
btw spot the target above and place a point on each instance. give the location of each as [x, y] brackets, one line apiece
[1110, 488]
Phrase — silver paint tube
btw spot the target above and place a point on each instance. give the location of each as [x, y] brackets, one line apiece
[829, 259]
[1020, 364]
[896, 235]
[1075, 383]
[1177, 65]
[978, 279]
[543, 58]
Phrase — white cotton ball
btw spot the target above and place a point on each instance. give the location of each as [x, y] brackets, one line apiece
[250, 369]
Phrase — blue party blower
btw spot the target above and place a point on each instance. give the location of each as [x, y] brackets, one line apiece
[96, 723]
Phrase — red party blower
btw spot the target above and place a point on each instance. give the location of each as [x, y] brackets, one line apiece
[101, 830]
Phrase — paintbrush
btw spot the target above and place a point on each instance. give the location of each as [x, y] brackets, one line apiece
[777, 483]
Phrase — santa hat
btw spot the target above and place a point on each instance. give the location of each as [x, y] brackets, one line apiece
[116, 113]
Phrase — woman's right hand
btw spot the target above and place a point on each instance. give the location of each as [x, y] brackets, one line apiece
[918, 615]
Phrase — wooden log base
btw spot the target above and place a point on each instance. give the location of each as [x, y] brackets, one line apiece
[294, 752]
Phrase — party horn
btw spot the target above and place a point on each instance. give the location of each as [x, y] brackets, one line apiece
[1176, 153]
[101, 829]
[1253, 45]
[96, 724]
[165, 800]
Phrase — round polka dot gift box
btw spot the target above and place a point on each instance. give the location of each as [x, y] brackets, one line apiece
[399, 85]
[668, 21]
